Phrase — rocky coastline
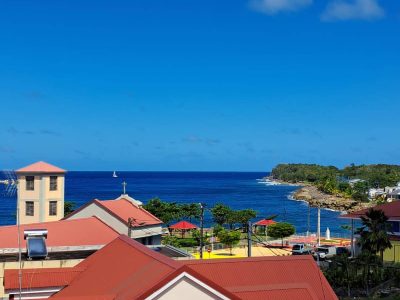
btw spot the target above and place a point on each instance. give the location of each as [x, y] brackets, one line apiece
[310, 193]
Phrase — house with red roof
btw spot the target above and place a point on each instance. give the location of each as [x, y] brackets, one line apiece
[40, 193]
[126, 269]
[67, 243]
[392, 211]
[125, 215]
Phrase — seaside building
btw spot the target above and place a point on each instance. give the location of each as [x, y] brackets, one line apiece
[40, 193]
[125, 269]
[66, 244]
[126, 216]
[392, 211]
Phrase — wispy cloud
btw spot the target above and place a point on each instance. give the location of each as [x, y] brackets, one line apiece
[341, 10]
[15, 131]
[198, 140]
[272, 7]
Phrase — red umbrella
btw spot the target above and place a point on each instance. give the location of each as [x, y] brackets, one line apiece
[264, 222]
[183, 226]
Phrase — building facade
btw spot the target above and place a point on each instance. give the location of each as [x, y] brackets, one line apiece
[40, 193]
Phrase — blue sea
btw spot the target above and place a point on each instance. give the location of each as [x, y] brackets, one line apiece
[239, 190]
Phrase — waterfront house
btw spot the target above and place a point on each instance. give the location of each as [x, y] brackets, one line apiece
[125, 269]
[392, 211]
[125, 215]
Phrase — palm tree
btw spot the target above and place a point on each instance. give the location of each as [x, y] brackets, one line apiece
[373, 234]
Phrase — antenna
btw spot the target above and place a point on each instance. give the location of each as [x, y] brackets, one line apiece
[11, 189]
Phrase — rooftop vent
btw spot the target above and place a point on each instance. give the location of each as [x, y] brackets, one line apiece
[36, 243]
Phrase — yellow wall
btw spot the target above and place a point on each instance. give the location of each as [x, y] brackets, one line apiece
[393, 254]
[34, 265]
[41, 196]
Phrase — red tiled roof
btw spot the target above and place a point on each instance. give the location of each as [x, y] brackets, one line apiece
[265, 222]
[391, 210]
[79, 232]
[126, 269]
[124, 209]
[183, 225]
[40, 278]
[267, 276]
[41, 167]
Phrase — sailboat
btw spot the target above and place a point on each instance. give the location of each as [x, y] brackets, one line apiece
[115, 174]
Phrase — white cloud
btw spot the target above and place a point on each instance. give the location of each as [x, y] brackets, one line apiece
[353, 10]
[271, 7]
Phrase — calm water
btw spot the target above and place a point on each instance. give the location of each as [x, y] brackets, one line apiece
[238, 190]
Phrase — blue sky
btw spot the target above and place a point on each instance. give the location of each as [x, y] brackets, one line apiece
[199, 85]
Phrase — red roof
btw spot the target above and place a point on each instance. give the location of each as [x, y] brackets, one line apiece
[125, 269]
[40, 278]
[79, 232]
[124, 209]
[287, 277]
[391, 210]
[41, 167]
[265, 222]
[183, 225]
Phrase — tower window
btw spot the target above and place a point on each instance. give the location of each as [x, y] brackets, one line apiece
[53, 208]
[29, 208]
[30, 183]
[53, 183]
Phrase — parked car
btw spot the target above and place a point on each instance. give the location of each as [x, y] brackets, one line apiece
[324, 252]
[301, 249]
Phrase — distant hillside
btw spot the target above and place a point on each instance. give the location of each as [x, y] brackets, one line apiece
[332, 180]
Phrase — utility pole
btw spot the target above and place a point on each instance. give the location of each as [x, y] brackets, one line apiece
[308, 220]
[201, 229]
[319, 226]
[249, 239]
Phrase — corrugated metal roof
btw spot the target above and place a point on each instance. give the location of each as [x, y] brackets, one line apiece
[265, 273]
[391, 210]
[124, 268]
[40, 278]
[41, 167]
[129, 270]
[126, 209]
[77, 232]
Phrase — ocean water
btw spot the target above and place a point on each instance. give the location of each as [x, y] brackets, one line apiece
[239, 190]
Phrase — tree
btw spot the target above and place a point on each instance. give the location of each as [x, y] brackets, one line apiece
[373, 233]
[170, 240]
[360, 190]
[230, 238]
[221, 214]
[244, 216]
[69, 207]
[165, 211]
[281, 230]
[191, 211]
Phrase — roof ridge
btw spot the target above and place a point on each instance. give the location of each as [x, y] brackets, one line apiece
[159, 257]
[249, 259]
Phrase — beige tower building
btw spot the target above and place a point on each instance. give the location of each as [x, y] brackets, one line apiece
[40, 193]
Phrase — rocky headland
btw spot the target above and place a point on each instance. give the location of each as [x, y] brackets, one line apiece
[310, 193]
[316, 198]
